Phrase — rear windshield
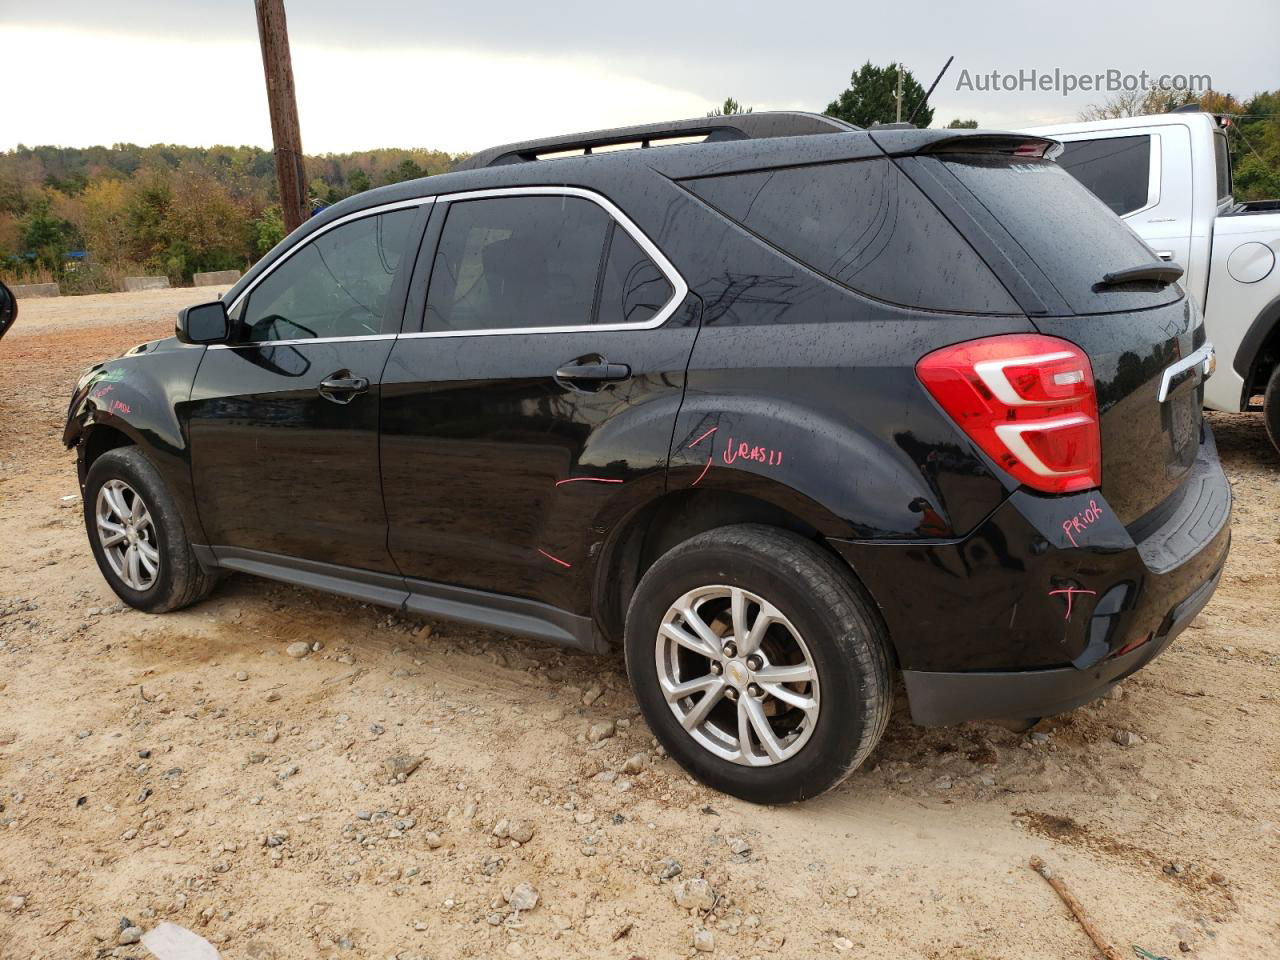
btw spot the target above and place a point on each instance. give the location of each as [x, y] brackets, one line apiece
[864, 225]
[1073, 238]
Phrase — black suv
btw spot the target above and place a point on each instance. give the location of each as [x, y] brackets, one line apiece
[779, 406]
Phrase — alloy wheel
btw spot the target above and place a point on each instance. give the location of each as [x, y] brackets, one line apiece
[127, 535]
[737, 675]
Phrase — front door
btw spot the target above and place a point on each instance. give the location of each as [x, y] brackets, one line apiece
[283, 421]
[539, 395]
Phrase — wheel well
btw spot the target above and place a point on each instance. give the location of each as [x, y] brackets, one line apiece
[658, 526]
[1266, 359]
[99, 440]
[1259, 351]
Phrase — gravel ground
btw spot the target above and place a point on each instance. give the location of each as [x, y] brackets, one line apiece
[398, 788]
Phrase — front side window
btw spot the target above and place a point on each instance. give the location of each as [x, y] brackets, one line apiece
[334, 286]
[516, 262]
[1116, 169]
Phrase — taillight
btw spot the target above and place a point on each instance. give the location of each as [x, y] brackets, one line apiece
[1027, 401]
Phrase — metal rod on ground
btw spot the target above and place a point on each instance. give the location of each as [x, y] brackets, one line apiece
[1103, 944]
[286, 136]
[928, 93]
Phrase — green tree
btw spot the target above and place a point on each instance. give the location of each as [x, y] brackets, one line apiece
[358, 181]
[1254, 136]
[47, 235]
[871, 97]
[406, 169]
[268, 229]
[729, 108]
[958, 124]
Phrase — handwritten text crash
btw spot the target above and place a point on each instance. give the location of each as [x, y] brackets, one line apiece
[746, 451]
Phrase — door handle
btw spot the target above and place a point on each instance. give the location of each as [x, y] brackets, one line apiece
[592, 373]
[343, 389]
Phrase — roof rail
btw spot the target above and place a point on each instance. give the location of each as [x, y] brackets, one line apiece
[740, 126]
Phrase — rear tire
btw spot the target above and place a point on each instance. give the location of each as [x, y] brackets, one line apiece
[138, 537]
[1271, 407]
[810, 692]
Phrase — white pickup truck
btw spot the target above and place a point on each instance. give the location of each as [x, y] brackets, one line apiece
[1169, 178]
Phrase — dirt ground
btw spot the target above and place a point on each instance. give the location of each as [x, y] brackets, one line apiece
[184, 768]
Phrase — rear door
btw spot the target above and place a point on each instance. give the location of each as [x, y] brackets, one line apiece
[1052, 242]
[543, 377]
[283, 420]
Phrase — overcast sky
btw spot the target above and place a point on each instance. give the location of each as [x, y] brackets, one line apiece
[464, 75]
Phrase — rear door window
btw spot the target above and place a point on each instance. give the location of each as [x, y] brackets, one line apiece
[1072, 237]
[1116, 169]
[864, 225]
[632, 289]
[517, 262]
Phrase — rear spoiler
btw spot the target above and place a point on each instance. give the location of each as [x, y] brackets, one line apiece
[933, 142]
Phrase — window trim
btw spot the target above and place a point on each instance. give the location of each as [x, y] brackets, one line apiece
[284, 257]
[680, 289]
[1154, 167]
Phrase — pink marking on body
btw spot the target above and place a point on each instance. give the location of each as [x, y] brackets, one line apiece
[704, 436]
[590, 479]
[704, 470]
[554, 559]
[1070, 592]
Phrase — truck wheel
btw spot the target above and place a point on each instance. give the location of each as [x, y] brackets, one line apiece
[1271, 407]
[759, 663]
[137, 535]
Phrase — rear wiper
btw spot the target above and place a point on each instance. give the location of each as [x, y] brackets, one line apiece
[1156, 270]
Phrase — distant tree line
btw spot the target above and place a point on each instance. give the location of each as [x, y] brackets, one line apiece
[87, 216]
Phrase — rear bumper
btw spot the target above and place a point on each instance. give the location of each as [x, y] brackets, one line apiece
[940, 699]
[1048, 602]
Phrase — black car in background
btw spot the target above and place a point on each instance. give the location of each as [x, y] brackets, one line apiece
[778, 406]
[8, 309]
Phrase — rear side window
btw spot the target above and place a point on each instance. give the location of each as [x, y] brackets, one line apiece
[513, 262]
[632, 289]
[1116, 169]
[1072, 237]
[1222, 159]
[864, 225]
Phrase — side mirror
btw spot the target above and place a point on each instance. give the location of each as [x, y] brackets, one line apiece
[8, 308]
[204, 323]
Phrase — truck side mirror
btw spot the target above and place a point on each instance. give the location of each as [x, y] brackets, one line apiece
[203, 323]
[8, 308]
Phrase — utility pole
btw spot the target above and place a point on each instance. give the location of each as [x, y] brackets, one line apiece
[286, 137]
[898, 119]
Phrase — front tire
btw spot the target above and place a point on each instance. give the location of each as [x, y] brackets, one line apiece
[759, 663]
[138, 537]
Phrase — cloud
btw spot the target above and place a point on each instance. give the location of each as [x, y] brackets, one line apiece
[563, 65]
[211, 91]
